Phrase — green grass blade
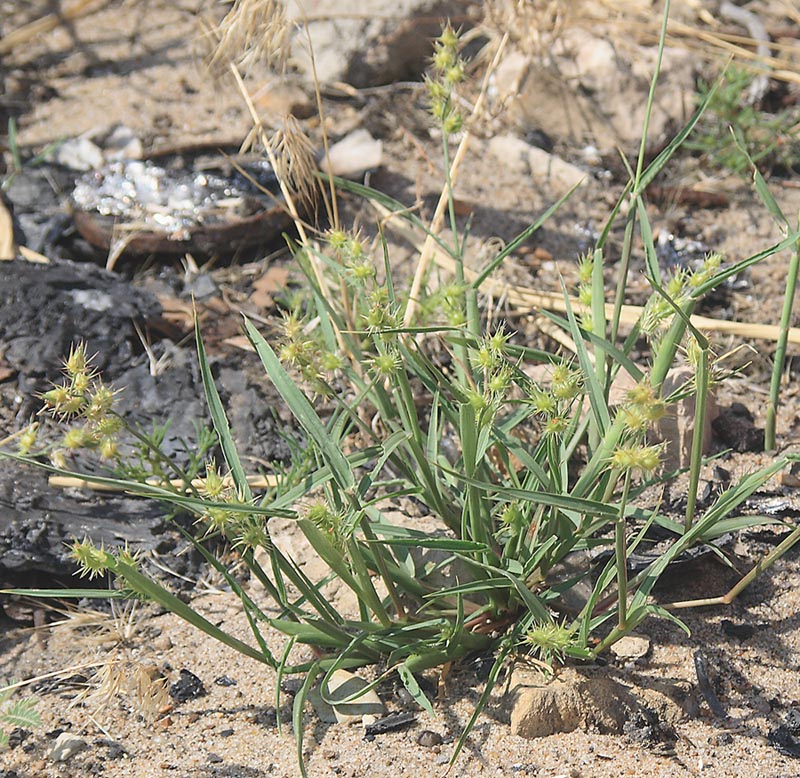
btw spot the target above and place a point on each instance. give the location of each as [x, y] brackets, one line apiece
[220, 420]
[303, 410]
[297, 714]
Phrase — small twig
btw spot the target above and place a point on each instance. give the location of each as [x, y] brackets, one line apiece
[38, 27]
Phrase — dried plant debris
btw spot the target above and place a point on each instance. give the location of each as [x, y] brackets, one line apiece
[253, 33]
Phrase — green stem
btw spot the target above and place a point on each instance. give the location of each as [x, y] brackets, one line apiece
[620, 552]
[698, 436]
[780, 351]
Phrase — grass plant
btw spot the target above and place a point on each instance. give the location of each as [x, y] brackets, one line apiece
[734, 133]
[426, 400]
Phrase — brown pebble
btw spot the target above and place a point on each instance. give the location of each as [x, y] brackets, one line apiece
[193, 717]
[329, 753]
[429, 738]
[165, 723]
[162, 643]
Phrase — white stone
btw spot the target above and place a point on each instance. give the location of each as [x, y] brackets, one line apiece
[364, 709]
[66, 746]
[545, 168]
[355, 154]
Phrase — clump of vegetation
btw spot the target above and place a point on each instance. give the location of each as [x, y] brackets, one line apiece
[16, 713]
[428, 400]
[734, 133]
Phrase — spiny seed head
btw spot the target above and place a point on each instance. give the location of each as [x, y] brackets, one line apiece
[320, 513]
[676, 285]
[437, 91]
[354, 249]
[77, 438]
[444, 57]
[452, 123]
[218, 519]
[556, 425]
[550, 640]
[101, 400]
[213, 484]
[108, 426]
[561, 374]
[252, 534]
[109, 448]
[337, 239]
[499, 381]
[694, 354]
[543, 402]
[485, 358]
[386, 365]
[292, 327]
[633, 457]
[448, 38]
[455, 74]
[585, 295]
[511, 515]
[585, 270]
[56, 397]
[80, 383]
[127, 557]
[567, 387]
[362, 272]
[497, 342]
[331, 362]
[634, 418]
[641, 394]
[92, 561]
[27, 440]
[77, 362]
[477, 400]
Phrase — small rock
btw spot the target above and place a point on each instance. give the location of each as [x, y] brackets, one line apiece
[162, 643]
[530, 160]
[65, 747]
[571, 701]
[342, 685]
[631, 647]
[79, 154]
[676, 429]
[329, 753]
[428, 738]
[114, 750]
[355, 154]
[187, 687]
[739, 631]
[224, 680]
[17, 736]
[214, 758]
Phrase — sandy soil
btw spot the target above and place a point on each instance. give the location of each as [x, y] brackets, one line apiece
[137, 63]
